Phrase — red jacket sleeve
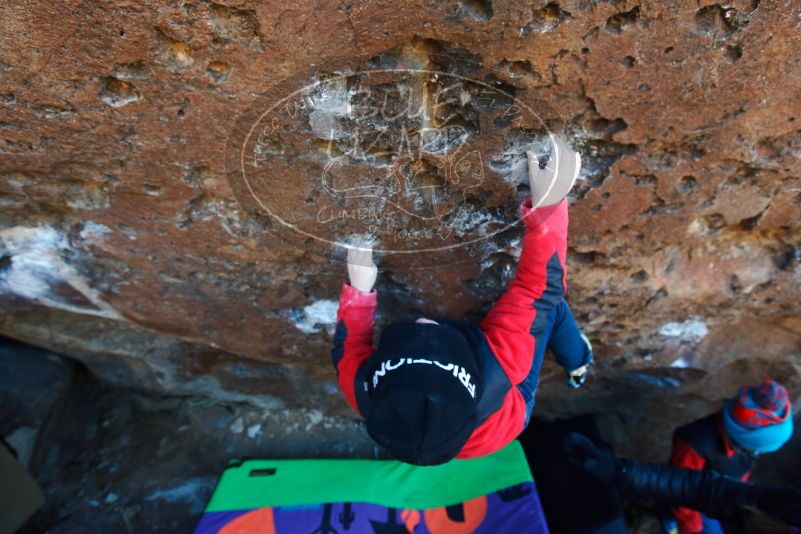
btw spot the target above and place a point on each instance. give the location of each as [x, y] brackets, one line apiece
[685, 456]
[508, 324]
[500, 428]
[353, 337]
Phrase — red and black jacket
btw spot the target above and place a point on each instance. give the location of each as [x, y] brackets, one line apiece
[504, 342]
[703, 444]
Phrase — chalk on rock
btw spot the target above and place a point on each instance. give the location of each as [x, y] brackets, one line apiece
[254, 430]
[237, 426]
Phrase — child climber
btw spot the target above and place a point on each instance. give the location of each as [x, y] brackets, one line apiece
[758, 420]
[435, 390]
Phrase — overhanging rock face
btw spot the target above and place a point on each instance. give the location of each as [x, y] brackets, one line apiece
[177, 181]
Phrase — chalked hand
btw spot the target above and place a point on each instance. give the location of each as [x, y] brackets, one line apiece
[361, 268]
[551, 184]
[577, 377]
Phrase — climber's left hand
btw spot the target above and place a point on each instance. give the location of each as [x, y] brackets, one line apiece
[577, 377]
[362, 271]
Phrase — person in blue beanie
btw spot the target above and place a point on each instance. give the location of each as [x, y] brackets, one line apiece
[759, 419]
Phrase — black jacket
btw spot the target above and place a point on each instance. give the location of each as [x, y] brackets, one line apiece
[706, 440]
[716, 495]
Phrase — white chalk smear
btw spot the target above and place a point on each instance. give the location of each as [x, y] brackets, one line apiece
[254, 430]
[313, 317]
[37, 267]
[680, 363]
[691, 330]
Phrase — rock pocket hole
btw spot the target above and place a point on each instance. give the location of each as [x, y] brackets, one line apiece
[619, 22]
[714, 223]
[518, 69]
[478, 9]
[734, 52]
[237, 25]
[687, 184]
[751, 222]
[639, 277]
[584, 258]
[131, 71]
[712, 19]
[175, 54]
[603, 127]
[219, 71]
[547, 18]
[117, 93]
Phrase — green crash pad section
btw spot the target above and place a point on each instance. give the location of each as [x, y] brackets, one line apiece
[261, 483]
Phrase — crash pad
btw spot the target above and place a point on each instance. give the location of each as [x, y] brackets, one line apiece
[492, 494]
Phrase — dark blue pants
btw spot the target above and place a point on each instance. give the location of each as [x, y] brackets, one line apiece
[559, 333]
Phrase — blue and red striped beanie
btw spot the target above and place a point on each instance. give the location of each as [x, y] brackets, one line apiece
[760, 417]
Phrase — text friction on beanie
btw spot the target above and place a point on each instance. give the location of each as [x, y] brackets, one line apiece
[458, 372]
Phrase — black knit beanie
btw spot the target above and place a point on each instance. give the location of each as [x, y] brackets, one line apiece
[423, 384]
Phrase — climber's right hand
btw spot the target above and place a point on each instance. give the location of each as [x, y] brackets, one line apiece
[361, 268]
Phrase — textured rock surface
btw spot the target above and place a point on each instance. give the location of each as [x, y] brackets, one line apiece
[124, 245]
[115, 460]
